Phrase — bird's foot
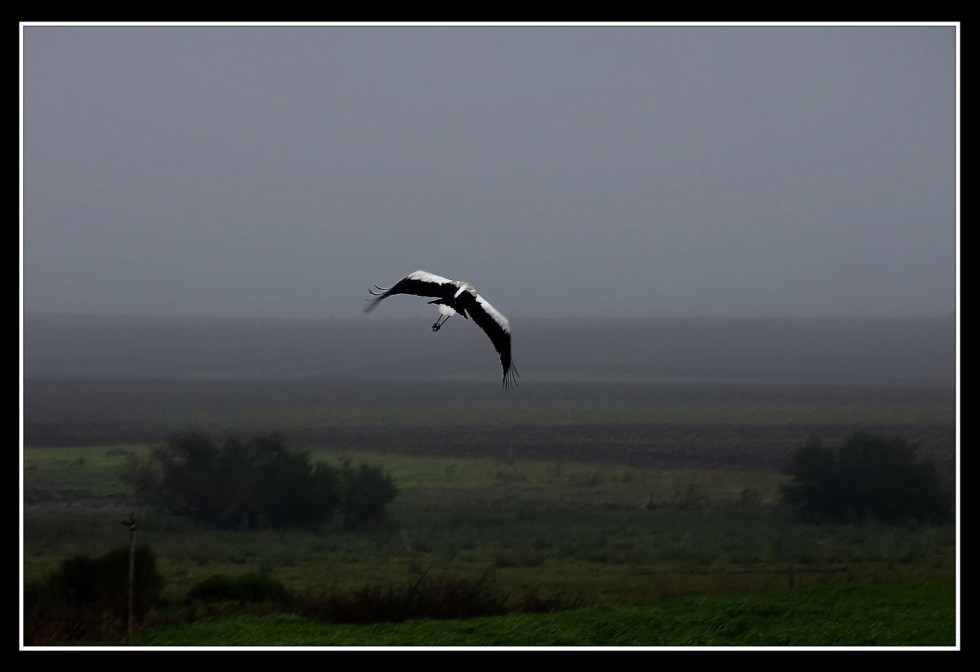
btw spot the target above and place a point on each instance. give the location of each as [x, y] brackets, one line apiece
[436, 327]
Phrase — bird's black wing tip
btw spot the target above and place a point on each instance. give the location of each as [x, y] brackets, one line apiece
[509, 381]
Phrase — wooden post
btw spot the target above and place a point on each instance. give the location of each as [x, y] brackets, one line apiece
[131, 524]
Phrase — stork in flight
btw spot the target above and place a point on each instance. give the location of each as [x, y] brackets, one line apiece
[455, 297]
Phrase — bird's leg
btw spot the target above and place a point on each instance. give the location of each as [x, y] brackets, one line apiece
[441, 320]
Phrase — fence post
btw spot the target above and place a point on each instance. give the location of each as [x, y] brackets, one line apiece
[131, 524]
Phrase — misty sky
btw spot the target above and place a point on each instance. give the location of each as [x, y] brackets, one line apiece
[257, 171]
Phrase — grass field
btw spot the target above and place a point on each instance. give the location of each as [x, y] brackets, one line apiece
[904, 615]
[650, 502]
[594, 533]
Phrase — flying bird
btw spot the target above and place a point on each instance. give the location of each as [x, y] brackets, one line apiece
[454, 297]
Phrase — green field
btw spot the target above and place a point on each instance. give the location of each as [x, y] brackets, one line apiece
[903, 615]
[636, 498]
[594, 533]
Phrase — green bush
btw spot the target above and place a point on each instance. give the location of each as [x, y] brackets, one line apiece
[365, 492]
[258, 483]
[249, 588]
[443, 598]
[89, 596]
[867, 477]
[104, 581]
[426, 597]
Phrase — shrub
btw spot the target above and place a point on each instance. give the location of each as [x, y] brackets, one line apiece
[258, 483]
[249, 588]
[104, 581]
[365, 492]
[89, 597]
[437, 598]
[445, 598]
[866, 477]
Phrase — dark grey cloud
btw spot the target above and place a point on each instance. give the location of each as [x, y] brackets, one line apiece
[586, 171]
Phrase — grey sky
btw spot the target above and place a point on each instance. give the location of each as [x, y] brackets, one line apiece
[586, 171]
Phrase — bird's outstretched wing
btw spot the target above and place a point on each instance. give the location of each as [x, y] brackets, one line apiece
[496, 326]
[462, 296]
[419, 283]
